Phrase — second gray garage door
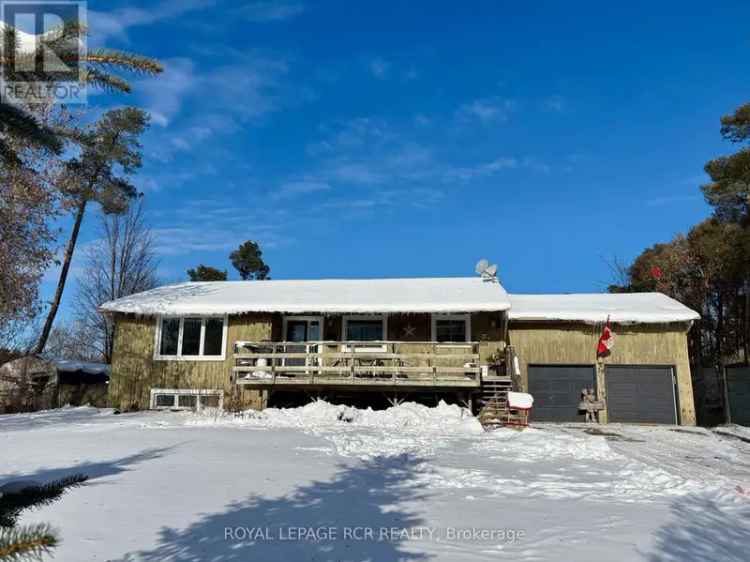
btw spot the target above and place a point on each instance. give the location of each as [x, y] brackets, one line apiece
[738, 390]
[640, 394]
[557, 391]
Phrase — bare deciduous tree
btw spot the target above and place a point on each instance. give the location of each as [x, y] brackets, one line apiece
[121, 263]
[72, 341]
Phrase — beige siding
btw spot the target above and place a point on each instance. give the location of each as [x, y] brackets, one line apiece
[135, 371]
[575, 344]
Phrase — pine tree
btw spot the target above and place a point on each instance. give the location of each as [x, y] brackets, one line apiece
[30, 542]
[206, 273]
[96, 69]
[248, 260]
[729, 190]
[111, 153]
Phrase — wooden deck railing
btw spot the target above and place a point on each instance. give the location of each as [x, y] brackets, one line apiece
[371, 363]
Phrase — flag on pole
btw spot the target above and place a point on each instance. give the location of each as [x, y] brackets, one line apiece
[606, 341]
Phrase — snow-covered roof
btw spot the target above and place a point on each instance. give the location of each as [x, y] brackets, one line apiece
[619, 307]
[448, 294]
[84, 366]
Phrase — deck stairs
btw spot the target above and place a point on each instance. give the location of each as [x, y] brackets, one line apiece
[493, 401]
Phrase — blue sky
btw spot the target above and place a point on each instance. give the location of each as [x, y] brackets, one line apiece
[379, 139]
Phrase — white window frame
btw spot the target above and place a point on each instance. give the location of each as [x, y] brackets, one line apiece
[179, 357]
[307, 319]
[177, 392]
[467, 322]
[369, 317]
[308, 348]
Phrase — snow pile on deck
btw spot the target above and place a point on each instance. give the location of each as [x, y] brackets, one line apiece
[443, 418]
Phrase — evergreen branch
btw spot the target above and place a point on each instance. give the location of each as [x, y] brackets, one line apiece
[15, 120]
[124, 60]
[13, 503]
[105, 81]
[26, 543]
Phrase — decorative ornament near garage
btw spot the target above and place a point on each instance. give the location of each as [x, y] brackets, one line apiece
[487, 271]
[409, 331]
[606, 341]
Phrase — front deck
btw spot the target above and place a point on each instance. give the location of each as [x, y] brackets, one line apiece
[357, 364]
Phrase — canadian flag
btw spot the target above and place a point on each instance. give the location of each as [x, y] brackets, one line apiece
[606, 341]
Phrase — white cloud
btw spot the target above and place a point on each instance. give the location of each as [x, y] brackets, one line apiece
[293, 189]
[223, 226]
[220, 99]
[164, 94]
[263, 12]
[487, 110]
[115, 24]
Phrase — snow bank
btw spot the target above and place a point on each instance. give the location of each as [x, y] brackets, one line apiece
[410, 416]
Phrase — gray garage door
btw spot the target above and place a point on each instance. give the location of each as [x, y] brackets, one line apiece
[557, 391]
[738, 390]
[640, 394]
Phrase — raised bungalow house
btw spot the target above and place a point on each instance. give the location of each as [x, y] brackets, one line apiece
[250, 344]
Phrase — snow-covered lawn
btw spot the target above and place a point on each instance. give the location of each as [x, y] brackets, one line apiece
[411, 483]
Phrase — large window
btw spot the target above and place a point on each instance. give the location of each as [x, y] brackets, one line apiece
[364, 328]
[453, 328]
[191, 338]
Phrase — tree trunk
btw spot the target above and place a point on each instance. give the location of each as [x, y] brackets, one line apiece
[69, 249]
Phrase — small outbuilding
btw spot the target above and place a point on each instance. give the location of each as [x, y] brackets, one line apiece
[35, 383]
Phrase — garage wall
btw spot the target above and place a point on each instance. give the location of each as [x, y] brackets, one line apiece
[569, 343]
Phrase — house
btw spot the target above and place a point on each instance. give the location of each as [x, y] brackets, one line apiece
[255, 343]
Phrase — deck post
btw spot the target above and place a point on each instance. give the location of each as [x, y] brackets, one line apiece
[273, 362]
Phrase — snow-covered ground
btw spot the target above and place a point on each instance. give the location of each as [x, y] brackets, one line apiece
[410, 483]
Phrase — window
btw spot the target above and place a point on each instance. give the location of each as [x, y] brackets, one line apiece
[191, 338]
[214, 341]
[365, 328]
[170, 336]
[186, 398]
[454, 328]
[163, 401]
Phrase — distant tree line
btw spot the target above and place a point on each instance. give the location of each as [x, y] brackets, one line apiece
[708, 269]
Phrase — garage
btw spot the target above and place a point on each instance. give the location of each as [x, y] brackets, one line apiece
[641, 394]
[557, 391]
[738, 391]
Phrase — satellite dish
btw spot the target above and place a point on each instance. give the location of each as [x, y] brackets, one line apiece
[487, 271]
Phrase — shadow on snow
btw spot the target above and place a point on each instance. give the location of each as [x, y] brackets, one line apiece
[703, 530]
[371, 494]
[93, 470]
